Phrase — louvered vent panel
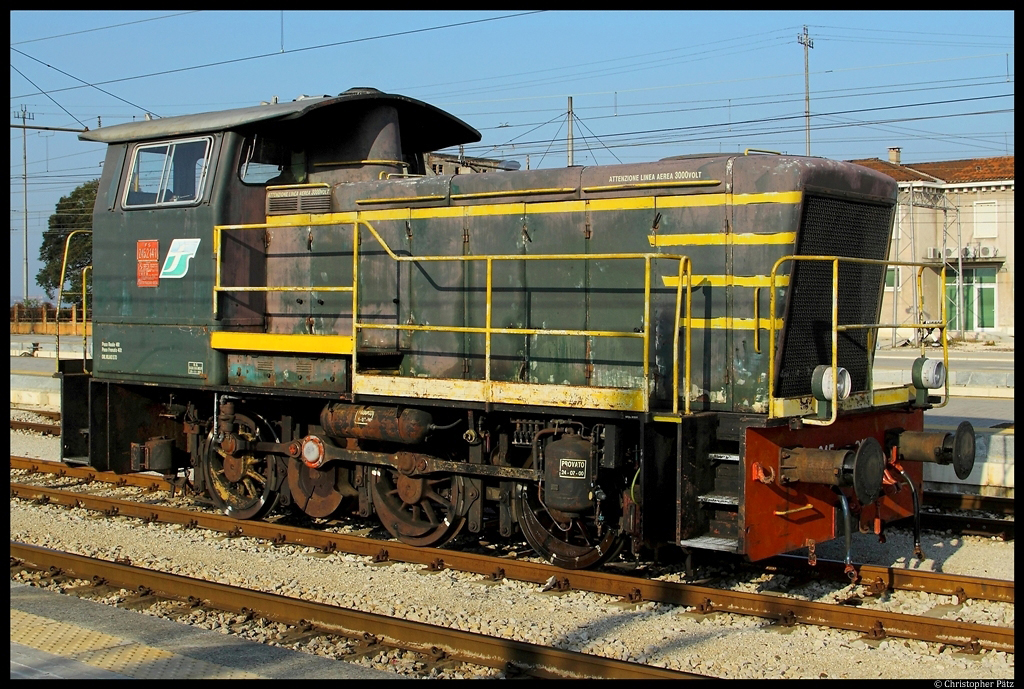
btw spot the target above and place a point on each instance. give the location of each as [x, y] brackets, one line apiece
[833, 227]
[314, 204]
[282, 204]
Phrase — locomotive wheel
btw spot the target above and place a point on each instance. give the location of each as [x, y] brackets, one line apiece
[572, 542]
[418, 510]
[244, 486]
[313, 490]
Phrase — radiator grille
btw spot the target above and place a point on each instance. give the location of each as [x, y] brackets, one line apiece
[832, 227]
[299, 200]
[283, 204]
[314, 204]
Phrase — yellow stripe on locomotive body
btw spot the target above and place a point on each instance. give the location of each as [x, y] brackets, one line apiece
[574, 206]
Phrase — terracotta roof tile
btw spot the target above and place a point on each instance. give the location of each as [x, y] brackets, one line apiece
[974, 170]
[899, 173]
[951, 171]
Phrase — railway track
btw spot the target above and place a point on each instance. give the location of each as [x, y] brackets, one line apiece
[44, 428]
[308, 619]
[965, 524]
[703, 599]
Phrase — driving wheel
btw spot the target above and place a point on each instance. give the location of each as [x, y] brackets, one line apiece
[418, 510]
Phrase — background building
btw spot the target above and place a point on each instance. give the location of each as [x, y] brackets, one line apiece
[957, 213]
[444, 164]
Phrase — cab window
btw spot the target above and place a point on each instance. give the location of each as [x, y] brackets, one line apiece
[170, 173]
[267, 161]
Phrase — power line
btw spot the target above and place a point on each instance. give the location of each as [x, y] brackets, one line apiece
[604, 72]
[664, 137]
[103, 28]
[784, 117]
[726, 81]
[73, 77]
[646, 59]
[299, 50]
[849, 92]
[46, 94]
[761, 103]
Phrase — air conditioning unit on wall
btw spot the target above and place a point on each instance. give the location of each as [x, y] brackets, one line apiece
[950, 252]
[987, 251]
[969, 252]
[934, 253]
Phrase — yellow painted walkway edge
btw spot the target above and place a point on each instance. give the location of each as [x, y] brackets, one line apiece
[112, 653]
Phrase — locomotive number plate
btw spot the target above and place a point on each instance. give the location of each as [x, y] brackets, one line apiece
[572, 468]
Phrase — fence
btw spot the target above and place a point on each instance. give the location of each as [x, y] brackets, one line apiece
[43, 320]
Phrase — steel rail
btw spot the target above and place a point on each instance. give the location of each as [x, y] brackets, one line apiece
[969, 525]
[786, 610]
[961, 501]
[978, 588]
[44, 428]
[55, 415]
[487, 650]
[894, 578]
[147, 481]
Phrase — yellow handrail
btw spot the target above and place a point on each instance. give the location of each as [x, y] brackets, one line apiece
[836, 328]
[60, 290]
[85, 319]
[684, 272]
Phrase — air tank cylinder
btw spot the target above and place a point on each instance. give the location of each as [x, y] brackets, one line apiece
[391, 424]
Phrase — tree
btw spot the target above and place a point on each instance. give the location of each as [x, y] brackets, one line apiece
[74, 212]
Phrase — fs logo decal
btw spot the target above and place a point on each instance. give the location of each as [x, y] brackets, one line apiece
[178, 256]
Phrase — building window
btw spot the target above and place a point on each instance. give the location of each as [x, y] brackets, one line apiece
[985, 213]
[979, 299]
[892, 278]
[172, 173]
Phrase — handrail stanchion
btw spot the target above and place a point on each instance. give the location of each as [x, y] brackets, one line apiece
[647, 322]
[355, 298]
[675, 341]
[85, 318]
[216, 277]
[487, 336]
[60, 291]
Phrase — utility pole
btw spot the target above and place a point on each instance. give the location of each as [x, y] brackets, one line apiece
[806, 42]
[24, 115]
[570, 131]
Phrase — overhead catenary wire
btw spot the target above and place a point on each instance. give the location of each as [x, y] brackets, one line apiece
[104, 28]
[781, 118]
[73, 77]
[595, 136]
[46, 94]
[334, 44]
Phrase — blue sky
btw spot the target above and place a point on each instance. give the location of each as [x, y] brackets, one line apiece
[645, 85]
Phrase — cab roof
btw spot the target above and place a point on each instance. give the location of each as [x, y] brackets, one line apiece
[423, 127]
